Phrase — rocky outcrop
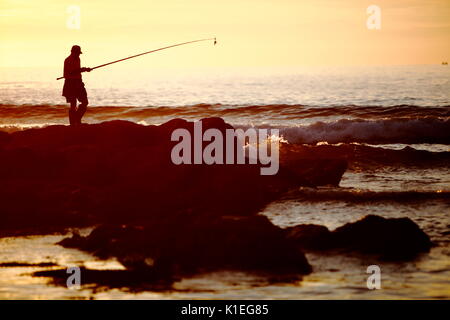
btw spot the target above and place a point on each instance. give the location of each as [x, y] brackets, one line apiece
[120, 171]
[390, 239]
[154, 215]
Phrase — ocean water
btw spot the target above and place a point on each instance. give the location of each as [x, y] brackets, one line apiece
[394, 122]
[125, 85]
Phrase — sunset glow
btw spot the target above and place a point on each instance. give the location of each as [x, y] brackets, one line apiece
[250, 32]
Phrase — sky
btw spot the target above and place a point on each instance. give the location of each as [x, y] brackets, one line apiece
[253, 33]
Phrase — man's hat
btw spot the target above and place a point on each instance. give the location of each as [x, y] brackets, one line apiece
[76, 49]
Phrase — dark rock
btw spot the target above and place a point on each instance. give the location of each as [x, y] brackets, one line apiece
[312, 167]
[390, 239]
[393, 239]
[26, 264]
[120, 171]
[310, 236]
[131, 280]
[190, 245]
[154, 215]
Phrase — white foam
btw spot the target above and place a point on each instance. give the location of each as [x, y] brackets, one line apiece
[371, 131]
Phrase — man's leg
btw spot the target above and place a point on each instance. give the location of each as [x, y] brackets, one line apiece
[73, 112]
[81, 110]
[84, 103]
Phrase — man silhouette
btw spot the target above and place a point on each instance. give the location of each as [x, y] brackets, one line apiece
[74, 88]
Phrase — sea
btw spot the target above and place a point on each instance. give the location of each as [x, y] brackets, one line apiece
[400, 111]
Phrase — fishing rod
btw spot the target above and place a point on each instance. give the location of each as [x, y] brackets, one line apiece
[141, 54]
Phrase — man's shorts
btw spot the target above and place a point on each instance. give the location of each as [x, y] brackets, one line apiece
[74, 89]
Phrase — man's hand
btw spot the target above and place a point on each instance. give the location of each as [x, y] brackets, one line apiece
[86, 69]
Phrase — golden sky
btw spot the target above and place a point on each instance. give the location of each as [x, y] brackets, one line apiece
[253, 33]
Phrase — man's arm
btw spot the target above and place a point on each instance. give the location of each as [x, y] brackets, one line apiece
[66, 70]
[72, 69]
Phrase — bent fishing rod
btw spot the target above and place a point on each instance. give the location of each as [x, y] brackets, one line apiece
[141, 54]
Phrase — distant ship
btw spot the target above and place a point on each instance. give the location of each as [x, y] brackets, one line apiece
[444, 63]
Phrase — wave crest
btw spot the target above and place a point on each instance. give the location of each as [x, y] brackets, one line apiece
[399, 130]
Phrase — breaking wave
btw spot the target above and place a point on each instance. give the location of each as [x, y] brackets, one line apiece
[335, 124]
[398, 130]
